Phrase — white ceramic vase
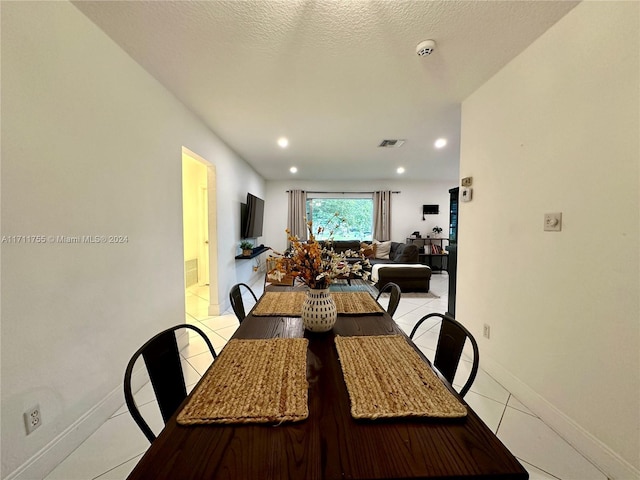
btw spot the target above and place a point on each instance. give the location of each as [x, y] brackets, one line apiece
[319, 311]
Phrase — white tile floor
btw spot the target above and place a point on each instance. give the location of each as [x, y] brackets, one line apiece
[114, 449]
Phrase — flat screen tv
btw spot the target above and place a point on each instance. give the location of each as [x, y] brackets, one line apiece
[252, 216]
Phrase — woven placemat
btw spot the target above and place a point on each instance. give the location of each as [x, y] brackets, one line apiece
[386, 378]
[252, 381]
[289, 304]
[356, 303]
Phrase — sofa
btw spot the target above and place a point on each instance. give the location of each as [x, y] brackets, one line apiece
[401, 267]
[399, 252]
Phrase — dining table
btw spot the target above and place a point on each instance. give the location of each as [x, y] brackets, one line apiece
[326, 440]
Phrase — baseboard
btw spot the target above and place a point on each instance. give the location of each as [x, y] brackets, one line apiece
[614, 466]
[182, 338]
[48, 458]
[214, 309]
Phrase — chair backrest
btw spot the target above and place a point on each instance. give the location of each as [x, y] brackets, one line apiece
[394, 298]
[162, 360]
[451, 340]
[235, 296]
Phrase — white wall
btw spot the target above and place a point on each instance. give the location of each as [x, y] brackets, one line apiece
[91, 145]
[557, 131]
[406, 214]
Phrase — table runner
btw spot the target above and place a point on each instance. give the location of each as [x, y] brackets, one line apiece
[252, 381]
[289, 304]
[386, 378]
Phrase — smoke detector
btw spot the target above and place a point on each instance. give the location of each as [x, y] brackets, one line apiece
[426, 48]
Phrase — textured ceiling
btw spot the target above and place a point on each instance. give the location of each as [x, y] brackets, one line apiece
[336, 78]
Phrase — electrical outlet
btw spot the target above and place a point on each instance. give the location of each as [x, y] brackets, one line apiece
[486, 331]
[32, 419]
[553, 222]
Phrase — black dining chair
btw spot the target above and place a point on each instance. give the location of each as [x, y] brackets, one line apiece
[235, 296]
[451, 341]
[162, 360]
[394, 298]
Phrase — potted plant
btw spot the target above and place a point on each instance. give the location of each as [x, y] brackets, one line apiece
[247, 248]
[437, 231]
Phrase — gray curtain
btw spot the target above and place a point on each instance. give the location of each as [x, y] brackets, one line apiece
[382, 215]
[296, 220]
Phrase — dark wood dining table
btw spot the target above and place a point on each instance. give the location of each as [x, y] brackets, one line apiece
[329, 444]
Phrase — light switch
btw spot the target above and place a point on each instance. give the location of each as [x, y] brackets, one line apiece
[552, 222]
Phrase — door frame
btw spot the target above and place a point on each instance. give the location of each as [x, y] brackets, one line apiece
[212, 230]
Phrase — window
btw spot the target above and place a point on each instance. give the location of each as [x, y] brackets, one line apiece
[357, 212]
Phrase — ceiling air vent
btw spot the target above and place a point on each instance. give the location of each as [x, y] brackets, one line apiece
[391, 143]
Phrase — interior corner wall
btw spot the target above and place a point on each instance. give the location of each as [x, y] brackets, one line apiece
[557, 130]
[91, 148]
[406, 206]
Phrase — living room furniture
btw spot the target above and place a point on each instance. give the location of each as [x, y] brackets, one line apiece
[451, 340]
[432, 252]
[398, 253]
[271, 263]
[329, 443]
[409, 277]
[162, 360]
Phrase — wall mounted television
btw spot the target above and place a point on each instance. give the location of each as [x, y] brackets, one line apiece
[251, 217]
[430, 209]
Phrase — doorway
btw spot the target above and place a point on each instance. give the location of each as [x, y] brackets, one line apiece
[453, 249]
[199, 229]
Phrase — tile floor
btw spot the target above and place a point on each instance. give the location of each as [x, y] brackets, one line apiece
[114, 449]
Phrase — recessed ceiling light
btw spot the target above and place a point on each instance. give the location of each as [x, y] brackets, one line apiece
[293, 169]
[283, 142]
[441, 142]
[400, 170]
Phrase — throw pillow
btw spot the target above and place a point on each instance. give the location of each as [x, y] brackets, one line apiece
[382, 249]
[369, 251]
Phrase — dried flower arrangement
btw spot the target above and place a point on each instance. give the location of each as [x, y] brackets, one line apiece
[317, 264]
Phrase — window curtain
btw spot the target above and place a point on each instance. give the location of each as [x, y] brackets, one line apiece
[297, 216]
[382, 215]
